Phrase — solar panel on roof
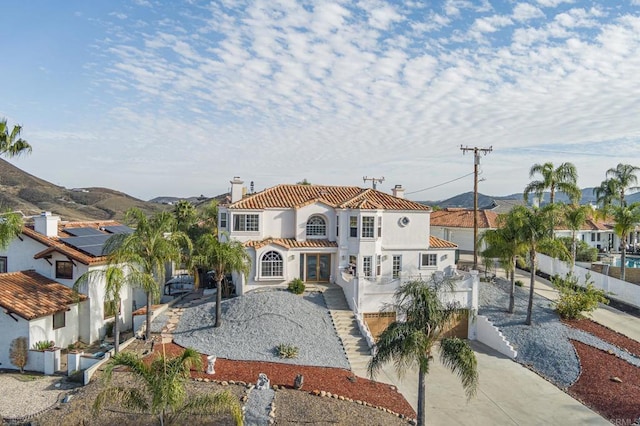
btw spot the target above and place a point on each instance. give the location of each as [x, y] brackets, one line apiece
[118, 229]
[90, 244]
[84, 231]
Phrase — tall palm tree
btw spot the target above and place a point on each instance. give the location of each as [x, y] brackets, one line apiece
[163, 391]
[186, 215]
[153, 243]
[116, 278]
[606, 192]
[10, 227]
[411, 342]
[224, 258]
[574, 216]
[533, 231]
[11, 144]
[560, 179]
[504, 243]
[625, 178]
[626, 219]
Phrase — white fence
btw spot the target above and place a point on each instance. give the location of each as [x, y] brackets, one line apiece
[620, 290]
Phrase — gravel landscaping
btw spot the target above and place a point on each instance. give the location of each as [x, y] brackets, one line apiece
[252, 329]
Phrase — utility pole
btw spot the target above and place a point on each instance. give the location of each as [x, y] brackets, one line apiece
[373, 180]
[476, 155]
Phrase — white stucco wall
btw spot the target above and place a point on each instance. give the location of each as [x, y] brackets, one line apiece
[9, 330]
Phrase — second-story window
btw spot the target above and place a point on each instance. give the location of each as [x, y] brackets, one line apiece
[379, 226]
[368, 223]
[245, 222]
[223, 220]
[353, 226]
[397, 266]
[316, 227]
[428, 259]
[366, 266]
[64, 270]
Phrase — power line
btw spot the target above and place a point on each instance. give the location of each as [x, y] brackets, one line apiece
[440, 184]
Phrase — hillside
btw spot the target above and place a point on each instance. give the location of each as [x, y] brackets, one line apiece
[31, 195]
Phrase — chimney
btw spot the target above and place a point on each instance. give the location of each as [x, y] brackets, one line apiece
[46, 224]
[237, 190]
[398, 191]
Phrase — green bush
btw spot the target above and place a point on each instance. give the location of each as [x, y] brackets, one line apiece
[584, 252]
[519, 283]
[287, 351]
[296, 286]
[43, 345]
[574, 300]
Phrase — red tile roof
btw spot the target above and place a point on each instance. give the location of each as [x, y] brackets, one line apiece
[31, 295]
[54, 244]
[351, 197]
[463, 218]
[290, 243]
[435, 242]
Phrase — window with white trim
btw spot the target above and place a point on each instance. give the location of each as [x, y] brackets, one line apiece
[368, 224]
[271, 264]
[316, 227]
[378, 265]
[379, 226]
[64, 269]
[353, 226]
[366, 266]
[396, 266]
[428, 259]
[223, 220]
[245, 222]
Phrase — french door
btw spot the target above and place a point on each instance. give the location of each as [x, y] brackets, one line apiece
[316, 267]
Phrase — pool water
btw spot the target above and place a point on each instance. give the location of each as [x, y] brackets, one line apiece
[630, 262]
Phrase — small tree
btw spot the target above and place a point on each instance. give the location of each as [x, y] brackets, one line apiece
[19, 352]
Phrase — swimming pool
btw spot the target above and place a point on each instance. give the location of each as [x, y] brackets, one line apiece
[630, 262]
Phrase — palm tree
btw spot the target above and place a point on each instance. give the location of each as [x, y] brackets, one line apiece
[504, 243]
[116, 279]
[224, 258]
[411, 342]
[186, 215]
[625, 178]
[163, 391]
[11, 144]
[533, 231]
[626, 219]
[153, 243]
[574, 216]
[10, 227]
[606, 192]
[561, 179]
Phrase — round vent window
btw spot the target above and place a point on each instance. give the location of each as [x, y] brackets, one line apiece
[404, 221]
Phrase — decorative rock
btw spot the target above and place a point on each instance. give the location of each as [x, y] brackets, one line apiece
[615, 379]
[199, 379]
[315, 392]
[244, 398]
[359, 402]
[274, 387]
[323, 393]
[263, 382]
[224, 383]
[206, 379]
[232, 382]
[341, 398]
[298, 381]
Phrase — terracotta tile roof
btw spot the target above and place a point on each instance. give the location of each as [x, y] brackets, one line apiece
[290, 243]
[435, 242]
[54, 244]
[463, 218]
[31, 295]
[591, 224]
[353, 197]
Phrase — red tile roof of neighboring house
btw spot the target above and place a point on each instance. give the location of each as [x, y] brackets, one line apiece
[463, 218]
[31, 295]
[54, 244]
[591, 224]
[351, 197]
[290, 243]
[435, 242]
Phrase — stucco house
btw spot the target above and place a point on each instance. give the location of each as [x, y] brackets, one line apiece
[50, 251]
[456, 225]
[362, 239]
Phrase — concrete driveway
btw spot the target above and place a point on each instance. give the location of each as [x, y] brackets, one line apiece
[509, 394]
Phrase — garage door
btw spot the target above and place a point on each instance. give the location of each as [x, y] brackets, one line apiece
[377, 322]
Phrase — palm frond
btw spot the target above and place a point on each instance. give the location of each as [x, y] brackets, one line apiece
[457, 355]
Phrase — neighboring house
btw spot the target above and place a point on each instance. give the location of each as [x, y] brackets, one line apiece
[597, 233]
[38, 308]
[456, 225]
[364, 240]
[63, 251]
[504, 206]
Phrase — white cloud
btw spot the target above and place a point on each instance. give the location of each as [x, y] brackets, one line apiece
[553, 3]
[525, 12]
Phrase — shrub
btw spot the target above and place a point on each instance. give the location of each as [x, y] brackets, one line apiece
[574, 300]
[108, 329]
[19, 352]
[43, 345]
[296, 286]
[519, 283]
[287, 351]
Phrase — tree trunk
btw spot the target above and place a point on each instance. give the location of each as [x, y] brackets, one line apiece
[512, 291]
[532, 281]
[116, 329]
[623, 257]
[574, 244]
[218, 303]
[147, 333]
[422, 395]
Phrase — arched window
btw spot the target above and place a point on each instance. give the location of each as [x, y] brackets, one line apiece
[316, 227]
[271, 264]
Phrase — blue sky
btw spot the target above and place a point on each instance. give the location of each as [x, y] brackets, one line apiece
[175, 98]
